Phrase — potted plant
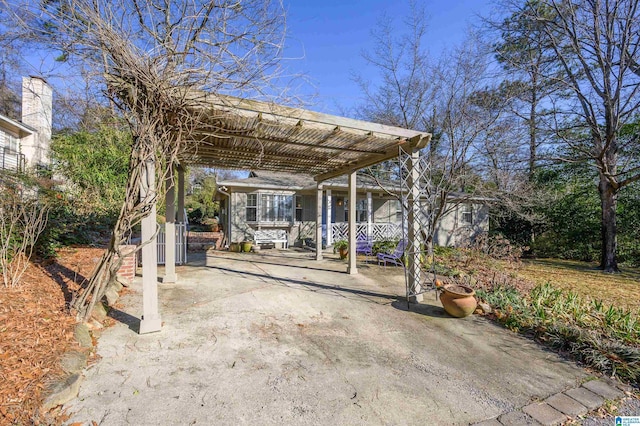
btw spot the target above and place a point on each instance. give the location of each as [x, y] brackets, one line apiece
[341, 246]
[212, 223]
[235, 247]
[457, 299]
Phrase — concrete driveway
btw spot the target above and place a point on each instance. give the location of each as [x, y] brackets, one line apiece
[278, 338]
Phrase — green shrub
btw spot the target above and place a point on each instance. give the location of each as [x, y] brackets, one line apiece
[384, 246]
[606, 338]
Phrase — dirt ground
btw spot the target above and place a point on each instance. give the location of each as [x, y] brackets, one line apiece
[275, 338]
[36, 329]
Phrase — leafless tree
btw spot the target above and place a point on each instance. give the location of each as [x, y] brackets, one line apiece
[23, 218]
[446, 97]
[596, 46]
[152, 60]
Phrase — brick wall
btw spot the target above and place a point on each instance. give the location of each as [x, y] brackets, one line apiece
[204, 237]
[127, 271]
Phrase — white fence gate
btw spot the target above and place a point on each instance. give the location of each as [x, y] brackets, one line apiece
[181, 244]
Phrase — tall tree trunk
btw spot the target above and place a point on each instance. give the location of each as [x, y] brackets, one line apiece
[608, 201]
[533, 123]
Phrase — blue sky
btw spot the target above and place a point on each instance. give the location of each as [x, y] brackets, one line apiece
[329, 36]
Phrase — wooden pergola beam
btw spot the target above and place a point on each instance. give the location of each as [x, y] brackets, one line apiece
[417, 142]
[225, 133]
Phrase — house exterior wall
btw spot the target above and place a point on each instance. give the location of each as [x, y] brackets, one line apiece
[386, 210]
[452, 230]
[241, 229]
[9, 150]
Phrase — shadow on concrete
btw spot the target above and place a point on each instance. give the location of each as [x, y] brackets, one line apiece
[420, 308]
[317, 286]
[127, 319]
[254, 259]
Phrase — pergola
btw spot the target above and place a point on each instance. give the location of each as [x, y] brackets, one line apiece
[245, 134]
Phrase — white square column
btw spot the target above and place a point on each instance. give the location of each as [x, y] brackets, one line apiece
[329, 224]
[352, 269]
[181, 213]
[150, 320]
[369, 216]
[170, 230]
[414, 245]
[319, 222]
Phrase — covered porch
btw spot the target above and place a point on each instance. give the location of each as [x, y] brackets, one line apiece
[244, 134]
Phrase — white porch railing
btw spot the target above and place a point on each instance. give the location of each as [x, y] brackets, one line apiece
[372, 231]
[181, 244]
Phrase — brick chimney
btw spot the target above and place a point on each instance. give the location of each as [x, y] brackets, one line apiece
[37, 113]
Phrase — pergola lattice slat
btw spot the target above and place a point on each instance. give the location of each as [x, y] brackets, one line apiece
[239, 133]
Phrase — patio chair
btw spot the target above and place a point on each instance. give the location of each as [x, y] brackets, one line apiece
[394, 258]
[364, 247]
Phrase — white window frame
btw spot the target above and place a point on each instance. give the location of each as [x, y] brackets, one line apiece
[466, 213]
[253, 207]
[299, 208]
[272, 207]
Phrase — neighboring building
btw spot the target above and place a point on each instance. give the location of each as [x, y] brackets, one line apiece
[268, 200]
[26, 143]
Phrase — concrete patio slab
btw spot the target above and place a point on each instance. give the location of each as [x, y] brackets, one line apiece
[275, 338]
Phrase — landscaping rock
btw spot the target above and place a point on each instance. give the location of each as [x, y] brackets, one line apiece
[73, 362]
[117, 286]
[516, 418]
[566, 405]
[94, 325]
[603, 389]
[586, 397]
[82, 336]
[485, 307]
[63, 391]
[544, 413]
[99, 312]
[111, 295]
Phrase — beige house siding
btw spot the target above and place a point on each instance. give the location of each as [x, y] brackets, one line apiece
[385, 210]
[451, 230]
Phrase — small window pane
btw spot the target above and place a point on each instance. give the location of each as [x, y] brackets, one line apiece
[467, 213]
[252, 207]
[299, 208]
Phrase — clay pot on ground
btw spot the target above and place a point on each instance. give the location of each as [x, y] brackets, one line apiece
[344, 252]
[458, 300]
[235, 247]
[246, 246]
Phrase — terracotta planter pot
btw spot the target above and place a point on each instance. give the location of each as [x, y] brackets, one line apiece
[235, 247]
[458, 300]
[344, 252]
[246, 246]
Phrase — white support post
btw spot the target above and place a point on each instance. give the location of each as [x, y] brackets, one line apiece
[369, 216]
[414, 245]
[170, 230]
[352, 269]
[150, 320]
[181, 213]
[319, 222]
[329, 224]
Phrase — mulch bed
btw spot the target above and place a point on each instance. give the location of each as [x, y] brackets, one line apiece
[36, 329]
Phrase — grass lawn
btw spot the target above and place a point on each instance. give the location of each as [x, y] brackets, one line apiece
[621, 290]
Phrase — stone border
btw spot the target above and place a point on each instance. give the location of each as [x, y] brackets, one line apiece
[563, 406]
[76, 360]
